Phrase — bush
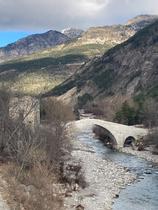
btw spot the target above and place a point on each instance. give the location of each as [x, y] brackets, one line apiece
[34, 189]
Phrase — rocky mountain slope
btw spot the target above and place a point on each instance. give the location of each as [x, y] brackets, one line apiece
[97, 40]
[42, 70]
[73, 33]
[32, 43]
[141, 21]
[116, 34]
[94, 41]
[129, 68]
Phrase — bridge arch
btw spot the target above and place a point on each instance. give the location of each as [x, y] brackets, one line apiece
[117, 133]
[105, 136]
[129, 141]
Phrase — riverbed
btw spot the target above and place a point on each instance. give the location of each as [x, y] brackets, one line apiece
[109, 174]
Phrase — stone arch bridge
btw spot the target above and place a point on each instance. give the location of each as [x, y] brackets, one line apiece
[117, 132]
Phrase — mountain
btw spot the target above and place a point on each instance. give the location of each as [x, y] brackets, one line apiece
[33, 43]
[141, 21]
[116, 34]
[39, 72]
[73, 33]
[106, 34]
[96, 40]
[93, 42]
[129, 69]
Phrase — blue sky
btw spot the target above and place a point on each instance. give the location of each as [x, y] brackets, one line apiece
[9, 37]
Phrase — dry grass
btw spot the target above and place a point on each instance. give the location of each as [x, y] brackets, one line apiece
[34, 189]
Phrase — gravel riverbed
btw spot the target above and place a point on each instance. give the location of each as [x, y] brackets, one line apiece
[147, 155]
[104, 178]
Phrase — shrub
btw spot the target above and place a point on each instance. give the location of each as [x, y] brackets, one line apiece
[34, 189]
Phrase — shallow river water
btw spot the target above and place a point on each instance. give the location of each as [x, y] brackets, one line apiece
[141, 195]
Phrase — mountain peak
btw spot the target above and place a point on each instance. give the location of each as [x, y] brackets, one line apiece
[142, 19]
[33, 43]
[72, 32]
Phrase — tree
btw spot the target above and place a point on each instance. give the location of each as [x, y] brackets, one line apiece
[127, 115]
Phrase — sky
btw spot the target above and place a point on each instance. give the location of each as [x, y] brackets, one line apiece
[19, 18]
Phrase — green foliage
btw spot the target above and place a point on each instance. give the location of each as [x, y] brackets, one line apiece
[89, 50]
[72, 48]
[104, 79]
[83, 100]
[127, 115]
[140, 99]
[153, 92]
[146, 95]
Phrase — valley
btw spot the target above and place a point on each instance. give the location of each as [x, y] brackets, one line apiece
[44, 55]
[79, 118]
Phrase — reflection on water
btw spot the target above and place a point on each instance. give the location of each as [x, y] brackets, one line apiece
[143, 194]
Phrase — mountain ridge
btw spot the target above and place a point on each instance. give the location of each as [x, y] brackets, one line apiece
[128, 69]
[33, 43]
[92, 42]
[73, 33]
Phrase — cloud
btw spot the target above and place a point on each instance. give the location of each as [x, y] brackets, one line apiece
[58, 14]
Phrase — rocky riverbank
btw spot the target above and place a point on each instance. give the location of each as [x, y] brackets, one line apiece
[103, 177]
[147, 154]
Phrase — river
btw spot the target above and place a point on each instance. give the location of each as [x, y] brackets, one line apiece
[143, 193]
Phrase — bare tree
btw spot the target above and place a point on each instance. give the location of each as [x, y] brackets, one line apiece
[33, 152]
[56, 115]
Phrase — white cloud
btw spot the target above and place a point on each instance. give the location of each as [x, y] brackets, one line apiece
[58, 14]
[91, 7]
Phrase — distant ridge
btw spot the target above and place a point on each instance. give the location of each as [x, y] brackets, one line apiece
[128, 69]
[94, 41]
[33, 43]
